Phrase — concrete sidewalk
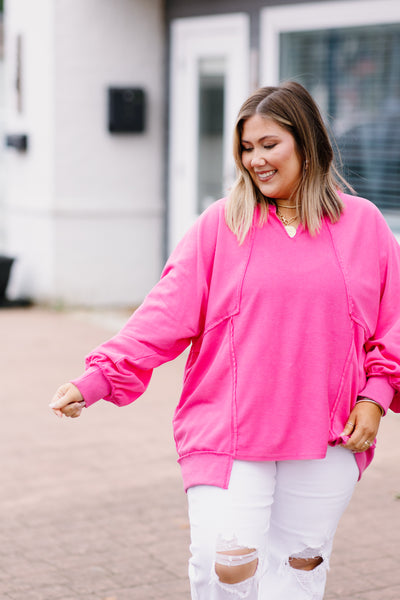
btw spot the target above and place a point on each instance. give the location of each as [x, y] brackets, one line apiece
[93, 508]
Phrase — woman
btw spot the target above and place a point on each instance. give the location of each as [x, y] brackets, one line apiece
[288, 293]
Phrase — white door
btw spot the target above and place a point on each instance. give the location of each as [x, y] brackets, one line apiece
[209, 81]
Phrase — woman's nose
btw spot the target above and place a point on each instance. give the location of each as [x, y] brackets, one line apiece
[258, 158]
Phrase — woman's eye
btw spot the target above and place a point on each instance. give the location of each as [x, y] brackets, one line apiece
[270, 146]
[246, 149]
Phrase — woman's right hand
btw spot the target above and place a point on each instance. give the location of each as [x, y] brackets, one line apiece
[67, 401]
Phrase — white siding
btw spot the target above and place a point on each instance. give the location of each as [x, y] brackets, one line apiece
[85, 206]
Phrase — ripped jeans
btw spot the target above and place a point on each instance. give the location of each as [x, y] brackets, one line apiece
[269, 535]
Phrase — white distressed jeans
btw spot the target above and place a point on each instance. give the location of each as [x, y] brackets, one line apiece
[272, 514]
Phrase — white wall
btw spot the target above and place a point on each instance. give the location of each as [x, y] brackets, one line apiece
[28, 186]
[2, 118]
[84, 206]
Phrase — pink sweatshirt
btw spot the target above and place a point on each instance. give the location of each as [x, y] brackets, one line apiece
[285, 334]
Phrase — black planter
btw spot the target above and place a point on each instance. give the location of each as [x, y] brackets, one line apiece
[5, 269]
[6, 262]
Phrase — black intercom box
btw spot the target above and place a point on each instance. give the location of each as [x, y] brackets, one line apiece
[19, 141]
[126, 110]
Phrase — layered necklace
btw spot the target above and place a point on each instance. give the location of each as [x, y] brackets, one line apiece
[290, 229]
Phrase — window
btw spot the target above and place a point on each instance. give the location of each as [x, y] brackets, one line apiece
[211, 82]
[354, 74]
[347, 55]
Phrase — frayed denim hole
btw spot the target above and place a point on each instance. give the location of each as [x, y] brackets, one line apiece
[312, 580]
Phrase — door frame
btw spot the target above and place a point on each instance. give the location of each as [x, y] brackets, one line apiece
[192, 39]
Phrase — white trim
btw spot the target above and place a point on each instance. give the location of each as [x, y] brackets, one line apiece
[312, 16]
[192, 39]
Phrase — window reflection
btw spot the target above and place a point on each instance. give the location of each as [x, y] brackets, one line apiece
[354, 74]
[210, 133]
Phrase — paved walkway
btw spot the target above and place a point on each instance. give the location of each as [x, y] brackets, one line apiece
[93, 509]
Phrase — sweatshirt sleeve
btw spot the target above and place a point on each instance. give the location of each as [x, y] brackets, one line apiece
[382, 363]
[171, 315]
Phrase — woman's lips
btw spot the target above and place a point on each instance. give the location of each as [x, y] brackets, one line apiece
[265, 175]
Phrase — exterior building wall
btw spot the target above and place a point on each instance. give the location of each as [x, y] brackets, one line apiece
[2, 118]
[345, 53]
[84, 209]
[84, 206]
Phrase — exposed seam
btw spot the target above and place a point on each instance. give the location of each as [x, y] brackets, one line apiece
[241, 278]
[234, 425]
[246, 263]
[347, 285]
[353, 319]
[196, 452]
[342, 269]
[215, 324]
[191, 361]
[341, 385]
[362, 325]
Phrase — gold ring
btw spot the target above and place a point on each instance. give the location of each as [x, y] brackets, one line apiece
[367, 443]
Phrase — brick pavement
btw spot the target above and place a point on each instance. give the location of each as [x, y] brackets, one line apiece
[93, 509]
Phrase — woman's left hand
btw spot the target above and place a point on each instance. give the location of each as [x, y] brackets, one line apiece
[362, 426]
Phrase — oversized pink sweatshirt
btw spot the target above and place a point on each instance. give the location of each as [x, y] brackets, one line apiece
[285, 334]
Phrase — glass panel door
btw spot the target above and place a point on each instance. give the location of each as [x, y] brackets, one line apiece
[211, 131]
[209, 81]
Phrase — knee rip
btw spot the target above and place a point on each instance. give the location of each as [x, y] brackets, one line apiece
[236, 564]
[309, 567]
[305, 564]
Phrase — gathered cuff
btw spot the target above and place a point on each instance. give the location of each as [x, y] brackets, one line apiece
[92, 385]
[378, 389]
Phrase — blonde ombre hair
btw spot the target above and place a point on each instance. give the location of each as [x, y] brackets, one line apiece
[292, 107]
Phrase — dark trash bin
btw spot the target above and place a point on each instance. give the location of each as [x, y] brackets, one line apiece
[5, 269]
[6, 262]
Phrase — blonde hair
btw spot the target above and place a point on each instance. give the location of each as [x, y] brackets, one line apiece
[316, 194]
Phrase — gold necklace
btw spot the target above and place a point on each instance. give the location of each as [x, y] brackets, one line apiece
[291, 231]
[286, 206]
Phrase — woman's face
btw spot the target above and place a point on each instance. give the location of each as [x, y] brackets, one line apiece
[270, 155]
